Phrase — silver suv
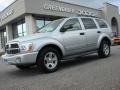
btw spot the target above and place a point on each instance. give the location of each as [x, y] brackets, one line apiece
[59, 40]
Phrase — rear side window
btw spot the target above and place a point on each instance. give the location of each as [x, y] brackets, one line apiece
[89, 23]
[101, 23]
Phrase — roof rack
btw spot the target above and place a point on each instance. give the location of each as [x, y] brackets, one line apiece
[78, 15]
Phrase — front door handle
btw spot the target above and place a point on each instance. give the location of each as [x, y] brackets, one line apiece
[98, 31]
[82, 33]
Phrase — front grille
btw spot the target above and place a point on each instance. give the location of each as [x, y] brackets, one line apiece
[12, 49]
[14, 46]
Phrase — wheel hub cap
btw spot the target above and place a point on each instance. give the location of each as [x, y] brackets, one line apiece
[50, 60]
[106, 49]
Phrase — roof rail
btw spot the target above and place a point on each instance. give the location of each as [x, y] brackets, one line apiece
[78, 15]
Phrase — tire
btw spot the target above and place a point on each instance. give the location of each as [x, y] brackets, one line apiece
[48, 60]
[104, 49]
[21, 67]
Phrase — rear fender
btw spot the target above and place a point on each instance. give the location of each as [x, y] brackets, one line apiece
[102, 36]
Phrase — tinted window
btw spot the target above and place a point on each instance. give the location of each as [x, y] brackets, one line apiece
[101, 23]
[74, 24]
[89, 23]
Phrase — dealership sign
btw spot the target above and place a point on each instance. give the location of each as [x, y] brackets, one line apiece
[65, 9]
[5, 15]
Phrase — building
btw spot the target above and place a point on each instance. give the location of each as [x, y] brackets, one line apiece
[24, 17]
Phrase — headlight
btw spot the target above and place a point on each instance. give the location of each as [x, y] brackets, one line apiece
[27, 47]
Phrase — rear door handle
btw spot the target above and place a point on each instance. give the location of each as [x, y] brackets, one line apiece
[82, 33]
[98, 31]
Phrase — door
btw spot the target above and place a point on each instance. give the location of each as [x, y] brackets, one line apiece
[92, 33]
[74, 38]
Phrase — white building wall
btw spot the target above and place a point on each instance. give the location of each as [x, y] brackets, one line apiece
[9, 32]
[30, 24]
[110, 11]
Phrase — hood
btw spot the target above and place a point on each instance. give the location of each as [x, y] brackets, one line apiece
[31, 37]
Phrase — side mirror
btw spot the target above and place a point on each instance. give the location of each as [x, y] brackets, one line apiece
[66, 28]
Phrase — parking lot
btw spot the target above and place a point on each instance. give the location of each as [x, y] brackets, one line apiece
[84, 73]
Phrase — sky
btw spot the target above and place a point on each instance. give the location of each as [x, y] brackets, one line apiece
[93, 3]
[89, 3]
[5, 3]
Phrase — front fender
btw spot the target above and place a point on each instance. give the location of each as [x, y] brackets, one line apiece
[101, 37]
[39, 44]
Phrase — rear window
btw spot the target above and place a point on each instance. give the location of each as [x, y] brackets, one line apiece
[101, 23]
[89, 23]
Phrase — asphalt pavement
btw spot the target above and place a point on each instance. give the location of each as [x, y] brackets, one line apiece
[83, 73]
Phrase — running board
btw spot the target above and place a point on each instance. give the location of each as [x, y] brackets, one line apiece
[78, 55]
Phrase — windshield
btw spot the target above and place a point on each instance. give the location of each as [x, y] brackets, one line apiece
[51, 26]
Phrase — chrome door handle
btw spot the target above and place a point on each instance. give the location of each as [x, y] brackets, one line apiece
[82, 33]
[98, 31]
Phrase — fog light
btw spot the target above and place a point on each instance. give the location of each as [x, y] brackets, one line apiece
[18, 59]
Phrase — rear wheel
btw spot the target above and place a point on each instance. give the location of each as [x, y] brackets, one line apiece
[48, 60]
[104, 50]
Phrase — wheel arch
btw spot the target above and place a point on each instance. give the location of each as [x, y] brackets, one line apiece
[53, 46]
[106, 38]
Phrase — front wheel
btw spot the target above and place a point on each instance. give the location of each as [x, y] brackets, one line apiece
[104, 50]
[48, 60]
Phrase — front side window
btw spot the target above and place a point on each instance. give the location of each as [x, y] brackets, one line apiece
[73, 24]
[89, 23]
[101, 23]
[51, 26]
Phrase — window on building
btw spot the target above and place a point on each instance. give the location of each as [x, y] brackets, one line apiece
[24, 29]
[3, 38]
[40, 22]
[19, 29]
[89, 23]
[47, 22]
[101, 23]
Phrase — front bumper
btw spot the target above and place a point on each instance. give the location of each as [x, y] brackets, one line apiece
[20, 59]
